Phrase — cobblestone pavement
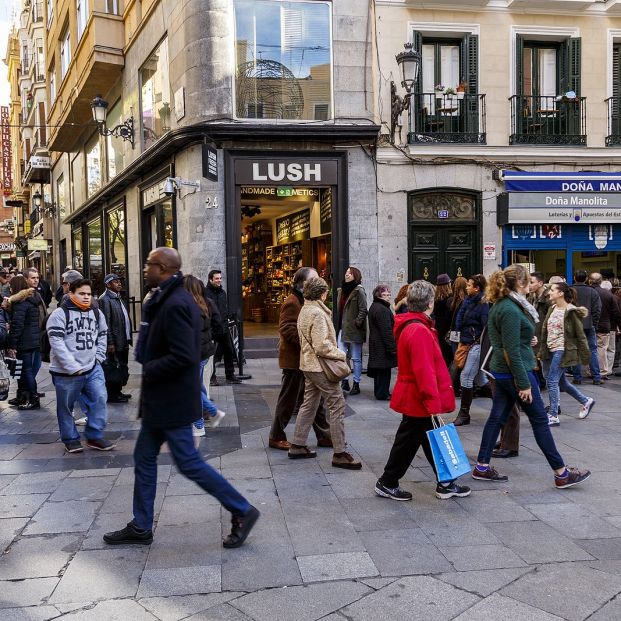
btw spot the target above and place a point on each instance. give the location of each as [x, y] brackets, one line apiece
[326, 547]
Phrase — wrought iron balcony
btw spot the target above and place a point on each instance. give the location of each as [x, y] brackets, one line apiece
[613, 138]
[548, 120]
[436, 117]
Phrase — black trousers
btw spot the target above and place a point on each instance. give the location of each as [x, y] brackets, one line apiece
[289, 401]
[381, 383]
[410, 436]
[112, 388]
[224, 349]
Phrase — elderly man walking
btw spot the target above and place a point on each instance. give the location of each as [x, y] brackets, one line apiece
[609, 317]
[169, 350]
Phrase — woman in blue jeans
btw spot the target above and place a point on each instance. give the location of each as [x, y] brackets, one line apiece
[511, 329]
[563, 345]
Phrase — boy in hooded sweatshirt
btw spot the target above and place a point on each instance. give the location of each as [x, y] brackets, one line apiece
[78, 341]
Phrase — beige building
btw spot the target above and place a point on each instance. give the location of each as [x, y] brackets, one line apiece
[541, 82]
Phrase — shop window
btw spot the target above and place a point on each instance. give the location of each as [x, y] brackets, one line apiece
[117, 245]
[78, 174]
[65, 53]
[155, 95]
[61, 196]
[95, 255]
[114, 144]
[322, 112]
[77, 261]
[283, 58]
[93, 166]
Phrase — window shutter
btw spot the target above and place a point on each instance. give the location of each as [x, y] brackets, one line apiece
[470, 62]
[616, 78]
[519, 65]
[417, 44]
[574, 63]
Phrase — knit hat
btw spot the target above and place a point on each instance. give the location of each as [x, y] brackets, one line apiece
[443, 279]
[314, 288]
[110, 278]
[71, 276]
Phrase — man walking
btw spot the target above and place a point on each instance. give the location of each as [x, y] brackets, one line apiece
[169, 350]
[5, 285]
[216, 293]
[292, 387]
[609, 316]
[588, 297]
[77, 334]
[39, 284]
[119, 337]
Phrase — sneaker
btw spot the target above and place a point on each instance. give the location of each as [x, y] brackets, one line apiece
[346, 461]
[491, 474]
[101, 445]
[241, 525]
[301, 452]
[396, 493]
[547, 409]
[81, 421]
[129, 534]
[448, 490]
[597, 382]
[553, 421]
[213, 421]
[233, 379]
[198, 428]
[74, 446]
[585, 410]
[572, 477]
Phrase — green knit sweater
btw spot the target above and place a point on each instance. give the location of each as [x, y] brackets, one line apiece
[510, 333]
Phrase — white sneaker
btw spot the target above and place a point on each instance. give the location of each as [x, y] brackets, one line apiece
[553, 421]
[213, 421]
[585, 410]
[81, 421]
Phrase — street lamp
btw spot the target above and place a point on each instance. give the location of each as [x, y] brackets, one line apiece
[124, 130]
[36, 199]
[409, 66]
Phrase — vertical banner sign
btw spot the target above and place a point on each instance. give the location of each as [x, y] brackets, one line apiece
[5, 135]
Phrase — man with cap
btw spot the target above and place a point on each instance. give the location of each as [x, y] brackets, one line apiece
[119, 336]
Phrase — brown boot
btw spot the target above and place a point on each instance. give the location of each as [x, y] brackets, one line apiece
[463, 416]
[345, 460]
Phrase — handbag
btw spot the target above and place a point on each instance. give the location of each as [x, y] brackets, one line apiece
[114, 371]
[5, 380]
[454, 336]
[334, 370]
[447, 450]
[461, 355]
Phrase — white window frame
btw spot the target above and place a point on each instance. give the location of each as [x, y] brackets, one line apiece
[65, 53]
[114, 4]
[81, 16]
[50, 11]
[52, 83]
[614, 36]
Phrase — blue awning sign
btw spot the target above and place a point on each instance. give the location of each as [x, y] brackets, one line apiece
[560, 182]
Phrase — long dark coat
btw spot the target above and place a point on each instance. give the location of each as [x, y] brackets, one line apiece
[169, 348]
[443, 316]
[382, 345]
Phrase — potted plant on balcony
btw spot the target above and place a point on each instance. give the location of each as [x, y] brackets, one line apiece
[450, 97]
[439, 90]
[461, 89]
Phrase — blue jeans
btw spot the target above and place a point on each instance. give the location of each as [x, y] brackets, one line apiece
[471, 372]
[556, 380]
[208, 404]
[594, 364]
[92, 387]
[190, 464]
[354, 351]
[31, 363]
[505, 396]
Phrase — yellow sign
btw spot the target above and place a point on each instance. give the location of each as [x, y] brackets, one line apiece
[37, 244]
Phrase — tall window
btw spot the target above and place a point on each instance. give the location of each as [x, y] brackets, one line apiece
[61, 196]
[50, 11]
[114, 144]
[283, 59]
[117, 246]
[155, 95]
[78, 175]
[82, 16]
[65, 53]
[52, 84]
[111, 7]
[93, 166]
[77, 261]
[95, 255]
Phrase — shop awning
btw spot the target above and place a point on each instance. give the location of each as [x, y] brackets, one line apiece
[541, 181]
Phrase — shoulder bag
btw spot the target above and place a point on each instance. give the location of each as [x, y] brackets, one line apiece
[334, 370]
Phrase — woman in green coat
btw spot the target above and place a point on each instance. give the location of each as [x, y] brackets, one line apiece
[564, 344]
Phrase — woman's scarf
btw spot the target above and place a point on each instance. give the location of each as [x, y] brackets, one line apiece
[526, 305]
[82, 307]
[348, 287]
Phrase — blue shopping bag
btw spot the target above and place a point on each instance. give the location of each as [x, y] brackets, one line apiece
[448, 452]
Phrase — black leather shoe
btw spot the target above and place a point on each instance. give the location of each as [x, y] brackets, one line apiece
[577, 382]
[129, 534]
[40, 394]
[118, 399]
[232, 379]
[241, 525]
[355, 389]
[504, 454]
[125, 395]
[598, 382]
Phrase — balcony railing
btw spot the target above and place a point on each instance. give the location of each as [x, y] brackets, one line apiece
[436, 117]
[613, 139]
[35, 216]
[548, 120]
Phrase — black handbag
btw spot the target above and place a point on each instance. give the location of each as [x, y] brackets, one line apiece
[114, 371]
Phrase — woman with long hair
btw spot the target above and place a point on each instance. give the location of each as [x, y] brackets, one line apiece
[382, 346]
[211, 413]
[401, 303]
[511, 329]
[564, 345]
[351, 309]
[443, 316]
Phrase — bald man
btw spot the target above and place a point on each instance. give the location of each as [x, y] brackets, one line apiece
[169, 350]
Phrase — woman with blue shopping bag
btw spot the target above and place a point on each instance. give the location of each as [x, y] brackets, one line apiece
[423, 390]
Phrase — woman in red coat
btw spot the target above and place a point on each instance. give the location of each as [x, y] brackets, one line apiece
[423, 389]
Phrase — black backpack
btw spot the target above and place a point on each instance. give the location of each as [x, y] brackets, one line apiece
[46, 348]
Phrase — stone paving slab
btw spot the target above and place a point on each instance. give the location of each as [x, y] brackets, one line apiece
[32, 592]
[23, 505]
[499, 607]
[322, 567]
[9, 528]
[468, 558]
[114, 610]
[609, 612]
[32, 613]
[72, 516]
[223, 612]
[180, 581]
[176, 607]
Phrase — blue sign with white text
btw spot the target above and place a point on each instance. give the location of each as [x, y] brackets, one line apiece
[561, 182]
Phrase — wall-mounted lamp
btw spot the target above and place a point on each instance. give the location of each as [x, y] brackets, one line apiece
[409, 65]
[124, 130]
[172, 184]
[49, 209]
[37, 198]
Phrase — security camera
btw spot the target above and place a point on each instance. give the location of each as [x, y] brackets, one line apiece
[172, 184]
[170, 187]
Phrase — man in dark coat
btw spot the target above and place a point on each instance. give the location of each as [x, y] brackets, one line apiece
[119, 336]
[216, 293]
[292, 387]
[609, 317]
[169, 349]
[588, 297]
[382, 345]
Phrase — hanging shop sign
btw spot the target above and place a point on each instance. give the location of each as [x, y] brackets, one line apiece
[286, 172]
[210, 162]
[7, 154]
[561, 182]
[7, 247]
[37, 244]
[559, 207]
[294, 227]
[325, 211]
